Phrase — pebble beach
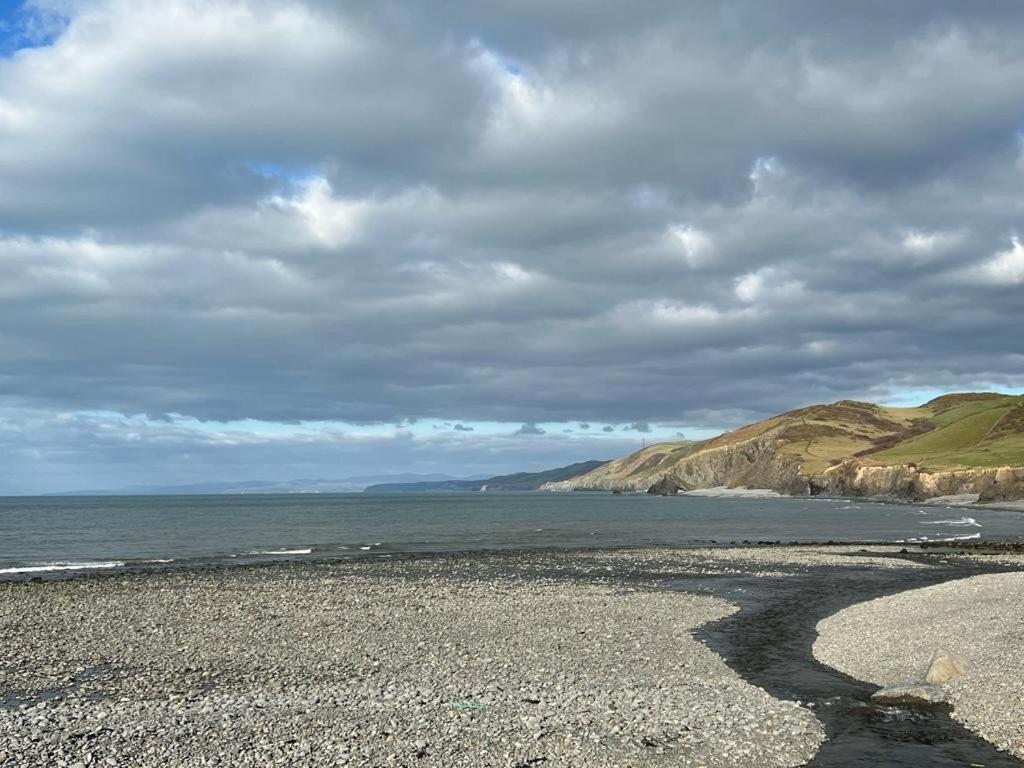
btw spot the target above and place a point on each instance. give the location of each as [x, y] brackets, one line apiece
[511, 659]
[979, 619]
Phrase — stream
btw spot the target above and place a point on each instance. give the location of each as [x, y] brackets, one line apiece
[768, 642]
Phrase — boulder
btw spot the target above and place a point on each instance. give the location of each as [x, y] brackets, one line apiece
[666, 486]
[921, 696]
[945, 667]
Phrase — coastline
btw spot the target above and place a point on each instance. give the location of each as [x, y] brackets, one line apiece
[965, 501]
[573, 656]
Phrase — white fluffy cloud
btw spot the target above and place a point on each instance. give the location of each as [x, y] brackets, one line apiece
[1006, 267]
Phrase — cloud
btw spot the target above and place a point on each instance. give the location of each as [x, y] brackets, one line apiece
[767, 284]
[1006, 267]
[608, 428]
[927, 244]
[638, 426]
[462, 428]
[696, 246]
[45, 451]
[552, 218]
[529, 428]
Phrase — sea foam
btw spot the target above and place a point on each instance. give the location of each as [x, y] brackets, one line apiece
[966, 537]
[282, 552]
[969, 522]
[44, 567]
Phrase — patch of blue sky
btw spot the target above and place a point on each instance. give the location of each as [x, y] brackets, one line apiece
[421, 428]
[620, 432]
[12, 28]
[910, 398]
[429, 427]
[22, 26]
[281, 172]
[260, 427]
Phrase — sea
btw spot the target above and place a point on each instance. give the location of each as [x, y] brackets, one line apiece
[63, 535]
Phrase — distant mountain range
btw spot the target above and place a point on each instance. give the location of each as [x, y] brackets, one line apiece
[345, 485]
[520, 481]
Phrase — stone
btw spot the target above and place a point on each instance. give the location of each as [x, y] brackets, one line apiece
[664, 487]
[910, 696]
[945, 667]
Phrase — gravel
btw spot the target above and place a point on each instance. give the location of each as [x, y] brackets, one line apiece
[890, 641]
[547, 659]
[767, 561]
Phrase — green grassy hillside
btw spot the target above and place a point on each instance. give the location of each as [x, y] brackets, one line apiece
[960, 431]
[954, 431]
[985, 432]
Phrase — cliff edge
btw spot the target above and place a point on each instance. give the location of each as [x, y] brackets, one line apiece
[969, 443]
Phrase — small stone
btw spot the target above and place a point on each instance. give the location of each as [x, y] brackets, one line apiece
[910, 696]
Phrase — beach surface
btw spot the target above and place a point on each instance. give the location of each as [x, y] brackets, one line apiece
[891, 641]
[553, 658]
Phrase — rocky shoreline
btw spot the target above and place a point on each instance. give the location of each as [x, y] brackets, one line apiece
[513, 659]
[996, 488]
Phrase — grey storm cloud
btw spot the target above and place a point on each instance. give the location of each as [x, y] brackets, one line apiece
[638, 426]
[530, 428]
[462, 428]
[565, 212]
[608, 428]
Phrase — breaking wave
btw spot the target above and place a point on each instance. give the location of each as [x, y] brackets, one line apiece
[968, 522]
[47, 567]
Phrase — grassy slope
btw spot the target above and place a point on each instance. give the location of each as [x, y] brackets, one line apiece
[645, 462]
[953, 431]
[956, 431]
[983, 433]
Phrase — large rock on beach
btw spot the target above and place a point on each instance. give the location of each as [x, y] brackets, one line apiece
[945, 667]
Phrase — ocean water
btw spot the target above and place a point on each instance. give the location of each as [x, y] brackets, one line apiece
[40, 535]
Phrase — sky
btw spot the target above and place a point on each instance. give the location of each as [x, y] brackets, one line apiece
[253, 239]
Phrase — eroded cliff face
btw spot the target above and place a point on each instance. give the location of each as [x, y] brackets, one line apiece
[758, 463]
[753, 463]
[907, 481]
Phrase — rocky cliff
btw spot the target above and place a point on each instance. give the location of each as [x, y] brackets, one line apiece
[908, 481]
[957, 444]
